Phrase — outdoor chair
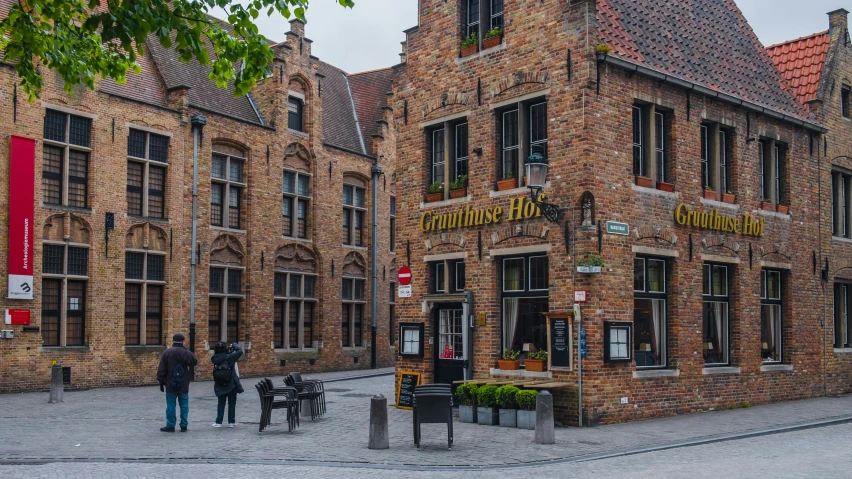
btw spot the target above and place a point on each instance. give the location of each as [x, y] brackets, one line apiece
[318, 384]
[433, 404]
[289, 402]
[306, 392]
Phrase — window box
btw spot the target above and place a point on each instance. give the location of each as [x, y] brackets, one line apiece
[663, 186]
[644, 182]
[589, 269]
[767, 205]
[458, 193]
[782, 209]
[507, 184]
[709, 195]
[492, 42]
[469, 50]
[538, 365]
[433, 197]
[728, 198]
[508, 364]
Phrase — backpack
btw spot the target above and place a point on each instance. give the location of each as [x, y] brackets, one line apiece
[178, 377]
[222, 374]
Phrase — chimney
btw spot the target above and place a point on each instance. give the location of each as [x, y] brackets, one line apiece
[837, 22]
[298, 27]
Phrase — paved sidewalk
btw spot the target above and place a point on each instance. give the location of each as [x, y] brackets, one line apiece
[122, 424]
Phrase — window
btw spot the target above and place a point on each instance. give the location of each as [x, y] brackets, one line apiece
[715, 159]
[660, 146]
[65, 270]
[525, 290]
[67, 148]
[724, 172]
[617, 339]
[392, 313]
[147, 158]
[392, 224]
[352, 331]
[226, 294]
[496, 14]
[842, 315]
[705, 157]
[650, 143]
[715, 313]
[411, 339]
[228, 183]
[295, 305]
[845, 109]
[471, 24]
[437, 160]
[639, 168]
[523, 131]
[461, 153]
[763, 171]
[451, 283]
[296, 204]
[772, 158]
[294, 113]
[649, 312]
[353, 215]
[770, 315]
[777, 165]
[841, 200]
[144, 276]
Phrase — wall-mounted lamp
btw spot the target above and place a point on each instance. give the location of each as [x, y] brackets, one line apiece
[536, 168]
[478, 151]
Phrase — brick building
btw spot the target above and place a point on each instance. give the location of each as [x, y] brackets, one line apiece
[275, 169]
[675, 122]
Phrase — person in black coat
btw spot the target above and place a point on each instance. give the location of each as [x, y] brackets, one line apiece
[226, 355]
[175, 382]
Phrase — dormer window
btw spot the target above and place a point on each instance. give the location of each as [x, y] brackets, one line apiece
[294, 113]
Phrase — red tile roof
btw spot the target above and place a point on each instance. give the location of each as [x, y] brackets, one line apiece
[800, 62]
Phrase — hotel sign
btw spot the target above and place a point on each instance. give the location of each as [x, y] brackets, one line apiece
[519, 209]
[745, 225]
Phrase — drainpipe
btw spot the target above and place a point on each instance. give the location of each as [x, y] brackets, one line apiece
[198, 122]
[376, 171]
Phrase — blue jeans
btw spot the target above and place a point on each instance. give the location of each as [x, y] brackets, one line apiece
[170, 409]
[232, 407]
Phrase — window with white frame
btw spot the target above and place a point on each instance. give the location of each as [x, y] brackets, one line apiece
[705, 157]
[447, 276]
[842, 314]
[841, 200]
[144, 282]
[295, 306]
[461, 153]
[392, 227]
[639, 166]
[226, 194]
[352, 325]
[716, 326]
[66, 153]
[294, 113]
[496, 14]
[649, 312]
[525, 292]
[65, 273]
[523, 131]
[660, 145]
[226, 296]
[354, 208]
[437, 157]
[147, 160]
[650, 142]
[296, 203]
[392, 313]
[771, 336]
[772, 159]
[617, 342]
[471, 23]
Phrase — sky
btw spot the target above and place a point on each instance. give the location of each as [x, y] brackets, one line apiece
[368, 36]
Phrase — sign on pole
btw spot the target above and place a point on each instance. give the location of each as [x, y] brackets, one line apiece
[21, 217]
[404, 276]
[616, 228]
[403, 291]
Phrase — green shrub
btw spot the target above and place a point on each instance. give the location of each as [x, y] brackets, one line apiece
[494, 32]
[460, 182]
[436, 187]
[526, 399]
[471, 40]
[511, 355]
[486, 396]
[466, 394]
[591, 260]
[540, 354]
[506, 396]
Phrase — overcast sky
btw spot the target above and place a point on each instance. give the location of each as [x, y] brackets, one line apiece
[368, 36]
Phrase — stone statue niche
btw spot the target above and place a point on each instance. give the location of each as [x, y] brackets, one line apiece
[587, 210]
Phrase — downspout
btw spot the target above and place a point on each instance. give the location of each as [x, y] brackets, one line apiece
[376, 171]
[579, 318]
[355, 115]
[198, 122]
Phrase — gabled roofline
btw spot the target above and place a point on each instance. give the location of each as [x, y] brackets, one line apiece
[796, 40]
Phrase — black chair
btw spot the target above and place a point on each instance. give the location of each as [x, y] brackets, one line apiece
[268, 403]
[318, 386]
[306, 392]
[433, 404]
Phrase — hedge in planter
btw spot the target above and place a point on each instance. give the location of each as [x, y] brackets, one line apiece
[486, 401]
[466, 395]
[526, 408]
[507, 405]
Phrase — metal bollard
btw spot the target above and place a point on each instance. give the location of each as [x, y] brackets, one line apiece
[544, 430]
[57, 387]
[379, 422]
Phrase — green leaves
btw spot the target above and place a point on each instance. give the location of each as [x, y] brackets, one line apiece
[83, 44]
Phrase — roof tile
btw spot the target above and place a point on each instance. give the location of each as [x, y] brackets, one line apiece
[800, 61]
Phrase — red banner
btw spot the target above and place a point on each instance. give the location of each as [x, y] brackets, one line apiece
[18, 316]
[21, 217]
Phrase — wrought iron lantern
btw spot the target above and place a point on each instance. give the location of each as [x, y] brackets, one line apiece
[536, 173]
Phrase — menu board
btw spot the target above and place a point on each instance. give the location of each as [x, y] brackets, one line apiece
[560, 342]
[405, 390]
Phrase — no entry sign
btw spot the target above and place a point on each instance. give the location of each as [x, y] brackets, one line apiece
[404, 275]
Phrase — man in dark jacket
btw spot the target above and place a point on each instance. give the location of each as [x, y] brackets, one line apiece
[174, 374]
[225, 357]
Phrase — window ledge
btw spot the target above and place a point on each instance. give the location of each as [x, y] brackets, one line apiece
[721, 370]
[655, 373]
[354, 349]
[143, 349]
[773, 214]
[300, 240]
[841, 239]
[656, 192]
[307, 353]
[438, 204]
[359, 248]
[230, 230]
[75, 209]
[843, 350]
[298, 133]
[514, 191]
[65, 349]
[776, 367]
[148, 218]
[482, 53]
[520, 373]
[720, 204]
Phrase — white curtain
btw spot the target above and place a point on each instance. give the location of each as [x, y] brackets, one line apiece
[717, 315]
[773, 315]
[510, 321]
[657, 317]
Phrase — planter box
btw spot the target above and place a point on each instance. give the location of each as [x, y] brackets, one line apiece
[508, 418]
[467, 414]
[492, 42]
[433, 197]
[644, 182]
[487, 416]
[782, 209]
[507, 184]
[665, 186]
[589, 269]
[526, 420]
[538, 365]
[509, 365]
[728, 198]
[469, 50]
[458, 193]
[709, 195]
[767, 205]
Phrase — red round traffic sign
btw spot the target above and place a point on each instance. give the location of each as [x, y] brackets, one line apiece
[404, 275]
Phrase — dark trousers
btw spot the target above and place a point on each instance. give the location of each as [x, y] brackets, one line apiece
[232, 407]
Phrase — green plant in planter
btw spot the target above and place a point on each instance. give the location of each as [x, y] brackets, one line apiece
[458, 183]
[510, 175]
[494, 32]
[436, 187]
[604, 49]
[506, 397]
[473, 39]
[539, 355]
[591, 260]
[466, 394]
[511, 355]
[486, 396]
[708, 188]
[526, 399]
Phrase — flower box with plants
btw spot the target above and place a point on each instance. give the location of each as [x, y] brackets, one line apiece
[436, 192]
[709, 194]
[507, 406]
[526, 408]
[458, 187]
[470, 45]
[663, 186]
[644, 182]
[766, 204]
[486, 405]
[507, 183]
[510, 361]
[783, 209]
[590, 264]
[602, 50]
[466, 396]
[493, 38]
[728, 197]
[537, 361]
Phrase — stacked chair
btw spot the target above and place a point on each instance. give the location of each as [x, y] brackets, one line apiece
[311, 390]
[268, 401]
[433, 404]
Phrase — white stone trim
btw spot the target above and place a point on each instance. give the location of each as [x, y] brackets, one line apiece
[444, 256]
[296, 94]
[772, 264]
[776, 367]
[514, 191]
[65, 109]
[518, 99]
[719, 204]
[655, 373]
[436, 121]
[715, 258]
[148, 129]
[721, 370]
[450, 202]
[841, 239]
[520, 373]
[540, 248]
[656, 192]
[656, 251]
[843, 350]
[772, 214]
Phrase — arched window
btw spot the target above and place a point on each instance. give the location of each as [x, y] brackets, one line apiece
[354, 301]
[295, 298]
[228, 187]
[145, 282]
[226, 290]
[354, 210]
[296, 192]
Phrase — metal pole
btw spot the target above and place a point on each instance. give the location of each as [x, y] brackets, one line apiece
[579, 324]
[198, 122]
[375, 170]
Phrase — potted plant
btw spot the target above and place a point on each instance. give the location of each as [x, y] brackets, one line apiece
[466, 395]
[493, 38]
[458, 187]
[783, 209]
[486, 402]
[602, 51]
[508, 183]
[436, 192]
[526, 408]
[709, 194]
[507, 405]
[766, 204]
[510, 361]
[727, 197]
[470, 45]
[537, 361]
[644, 182]
[663, 186]
[590, 264]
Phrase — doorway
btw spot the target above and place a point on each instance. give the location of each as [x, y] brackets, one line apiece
[449, 343]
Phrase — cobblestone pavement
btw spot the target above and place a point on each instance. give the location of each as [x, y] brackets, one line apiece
[818, 453]
[122, 424]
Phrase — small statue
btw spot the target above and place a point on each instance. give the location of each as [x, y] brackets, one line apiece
[587, 212]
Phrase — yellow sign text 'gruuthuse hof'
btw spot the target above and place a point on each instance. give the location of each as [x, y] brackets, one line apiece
[747, 225]
[519, 209]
